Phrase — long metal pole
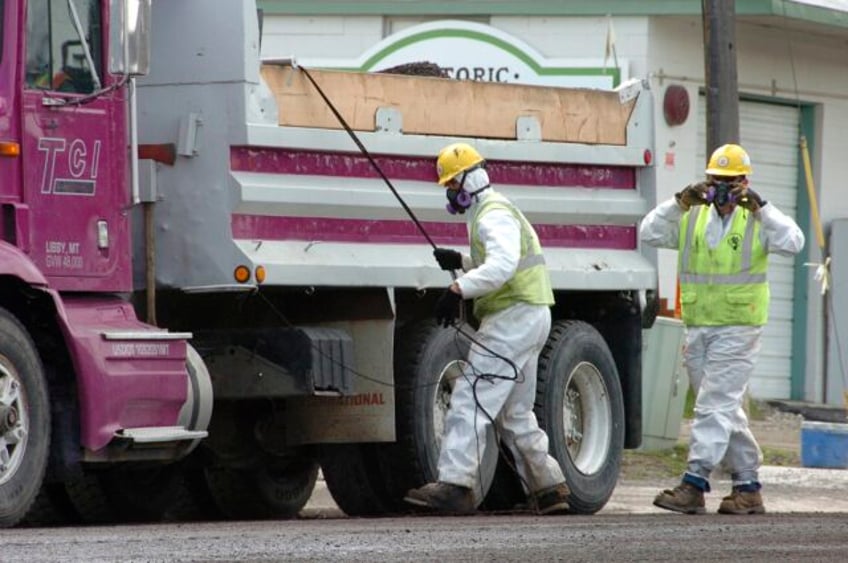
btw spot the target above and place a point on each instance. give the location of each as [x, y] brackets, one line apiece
[720, 78]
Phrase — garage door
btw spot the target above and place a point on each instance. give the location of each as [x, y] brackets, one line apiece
[769, 132]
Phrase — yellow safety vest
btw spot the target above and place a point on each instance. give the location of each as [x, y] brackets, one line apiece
[726, 285]
[531, 282]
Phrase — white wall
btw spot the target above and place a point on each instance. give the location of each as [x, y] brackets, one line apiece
[319, 36]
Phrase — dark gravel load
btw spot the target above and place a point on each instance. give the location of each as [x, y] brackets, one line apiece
[422, 68]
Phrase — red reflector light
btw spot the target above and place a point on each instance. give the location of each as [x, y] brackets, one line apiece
[648, 156]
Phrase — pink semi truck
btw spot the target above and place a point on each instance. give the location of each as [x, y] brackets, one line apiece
[208, 292]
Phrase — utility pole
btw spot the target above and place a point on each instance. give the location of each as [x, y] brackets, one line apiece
[719, 22]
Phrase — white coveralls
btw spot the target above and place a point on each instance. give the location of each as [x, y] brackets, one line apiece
[518, 333]
[720, 359]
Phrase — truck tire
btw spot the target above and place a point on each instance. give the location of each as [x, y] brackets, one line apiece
[88, 498]
[51, 508]
[193, 500]
[579, 404]
[122, 493]
[354, 479]
[24, 421]
[426, 358]
[278, 488]
[506, 492]
[141, 493]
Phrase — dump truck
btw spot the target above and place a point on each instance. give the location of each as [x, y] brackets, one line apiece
[212, 285]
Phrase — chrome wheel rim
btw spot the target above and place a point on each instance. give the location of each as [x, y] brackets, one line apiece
[587, 418]
[14, 422]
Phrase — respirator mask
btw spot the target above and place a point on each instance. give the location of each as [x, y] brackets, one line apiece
[458, 201]
[720, 194]
[472, 183]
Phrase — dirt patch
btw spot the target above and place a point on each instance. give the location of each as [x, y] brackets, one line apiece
[777, 432]
[662, 464]
[649, 466]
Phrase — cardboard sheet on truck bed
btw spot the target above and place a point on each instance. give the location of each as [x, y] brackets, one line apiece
[437, 106]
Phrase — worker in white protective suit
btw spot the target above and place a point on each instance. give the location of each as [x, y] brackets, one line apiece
[723, 231]
[507, 278]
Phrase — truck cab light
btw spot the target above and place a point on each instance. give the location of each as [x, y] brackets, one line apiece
[259, 274]
[10, 148]
[242, 274]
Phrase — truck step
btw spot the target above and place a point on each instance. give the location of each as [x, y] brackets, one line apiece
[156, 434]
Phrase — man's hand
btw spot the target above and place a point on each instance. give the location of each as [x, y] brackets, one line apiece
[448, 259]
[747, 198]
[693, 194]
[447, 308]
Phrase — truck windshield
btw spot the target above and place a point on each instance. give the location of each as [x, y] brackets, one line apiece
[64, 47]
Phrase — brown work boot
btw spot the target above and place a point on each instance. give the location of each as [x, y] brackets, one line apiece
[442, 497]
[742, 502]
[685, 498]
[553, 500]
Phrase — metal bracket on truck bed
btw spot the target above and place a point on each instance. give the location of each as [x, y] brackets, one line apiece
[280, 362]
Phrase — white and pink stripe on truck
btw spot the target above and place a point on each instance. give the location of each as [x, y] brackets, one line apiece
[340, 168]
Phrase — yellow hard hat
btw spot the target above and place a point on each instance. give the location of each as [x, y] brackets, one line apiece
[454, 159]
[729, 160]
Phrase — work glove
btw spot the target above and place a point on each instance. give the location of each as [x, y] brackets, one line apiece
[747, 198]
[693, 194]
[448, 259]
[447, 308]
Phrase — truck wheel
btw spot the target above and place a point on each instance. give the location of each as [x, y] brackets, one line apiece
[354, 479]
[193, 501]
[278, 488]
[24, 421]
[123, 493]
[89, 499]
[141, 494]
[427, 360]
[51, 508]
[579, 404]
[506, 492]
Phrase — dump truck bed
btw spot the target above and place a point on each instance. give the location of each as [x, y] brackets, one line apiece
[574, 168]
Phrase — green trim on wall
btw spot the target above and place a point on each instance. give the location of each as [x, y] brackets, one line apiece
[797, 380]
[615, 73]
[787, 8]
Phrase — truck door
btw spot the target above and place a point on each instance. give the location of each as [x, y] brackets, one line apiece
[73, 127]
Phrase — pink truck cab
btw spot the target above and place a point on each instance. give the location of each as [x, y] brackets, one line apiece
[79, 370]
[207, 292]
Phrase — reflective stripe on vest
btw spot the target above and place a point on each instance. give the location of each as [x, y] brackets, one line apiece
[530, 283]
[726, 285]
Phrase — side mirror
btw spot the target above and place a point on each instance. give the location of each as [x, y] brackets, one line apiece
[129, 34]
